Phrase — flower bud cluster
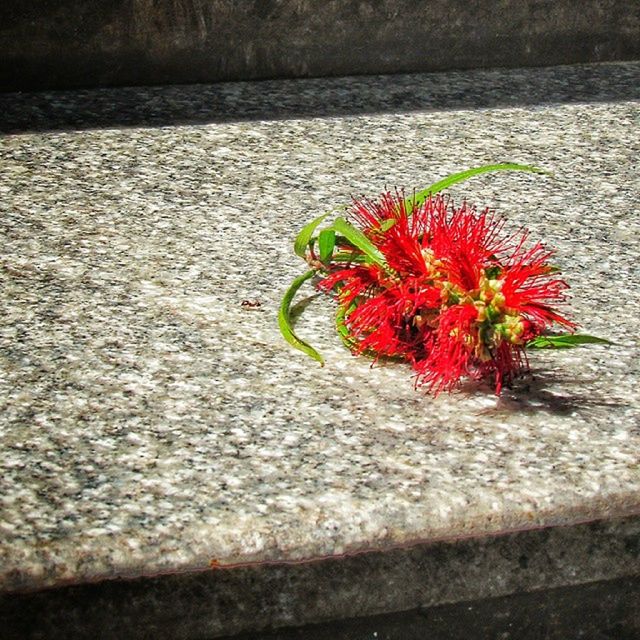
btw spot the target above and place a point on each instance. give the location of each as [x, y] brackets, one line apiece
[455, 296]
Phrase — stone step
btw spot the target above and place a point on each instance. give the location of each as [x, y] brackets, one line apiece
[72, 43]
[171, 468]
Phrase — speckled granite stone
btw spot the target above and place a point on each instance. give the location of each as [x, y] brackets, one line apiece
[313, 97]
[151, 423]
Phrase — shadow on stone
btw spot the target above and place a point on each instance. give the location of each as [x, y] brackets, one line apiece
[533, 394]
[307, 98]
[597, 611]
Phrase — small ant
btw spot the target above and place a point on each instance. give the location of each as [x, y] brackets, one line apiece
[251, 304]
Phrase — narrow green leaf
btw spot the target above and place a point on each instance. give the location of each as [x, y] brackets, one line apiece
[326, 244]
[454, 178]
[358, 239]
[564, 341]
[304, 237]
[348, 256]
[345, 336]
[284, 318]
[345, 248]
[341, 328]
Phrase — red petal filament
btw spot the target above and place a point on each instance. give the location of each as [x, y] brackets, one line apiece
[460, 297]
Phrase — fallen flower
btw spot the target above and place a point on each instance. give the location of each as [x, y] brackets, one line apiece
[444, 288]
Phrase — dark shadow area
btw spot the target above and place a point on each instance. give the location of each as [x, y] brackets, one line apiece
[597, 611]
[538, 392]
[298, 308]
[306, 98]
[93, 43]
[529, 583]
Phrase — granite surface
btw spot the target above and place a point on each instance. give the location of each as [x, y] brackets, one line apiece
[154, 106]
[153, 423]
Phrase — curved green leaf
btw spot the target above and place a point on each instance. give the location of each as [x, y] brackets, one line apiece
[304, 237]
[419, 197]
[358, 239]
[564, 341]
[326, 244]
[341, 328]
[284, 318]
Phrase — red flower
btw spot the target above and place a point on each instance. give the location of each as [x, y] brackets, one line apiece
[458, 297]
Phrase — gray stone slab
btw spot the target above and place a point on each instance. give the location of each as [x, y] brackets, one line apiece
[92, 43]
[316, 97]
[153, 424]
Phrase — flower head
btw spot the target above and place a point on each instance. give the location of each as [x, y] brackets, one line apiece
[444, 288]
[456, 296]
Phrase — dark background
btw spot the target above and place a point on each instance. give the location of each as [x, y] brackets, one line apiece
[49, 44]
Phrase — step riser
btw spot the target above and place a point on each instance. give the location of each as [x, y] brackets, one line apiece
[139, 42]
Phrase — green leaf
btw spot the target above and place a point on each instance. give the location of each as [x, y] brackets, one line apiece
[492, 272]
[304, 237]
[284, 318]
[419, 197]
[348, 256]
[358, 239]
[341, 328]
[564, 341]
[326, 244]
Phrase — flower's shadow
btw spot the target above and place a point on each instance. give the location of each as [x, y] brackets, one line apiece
[296, 310]
[160, 106]
[543, 390]
[552, 392]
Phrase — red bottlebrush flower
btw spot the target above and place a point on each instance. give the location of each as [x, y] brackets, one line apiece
[456, 296]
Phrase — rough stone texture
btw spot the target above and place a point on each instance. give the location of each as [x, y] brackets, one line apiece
[254, 598]
[96, 43]
[314, 97]
[150, 423]
[598, 611]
